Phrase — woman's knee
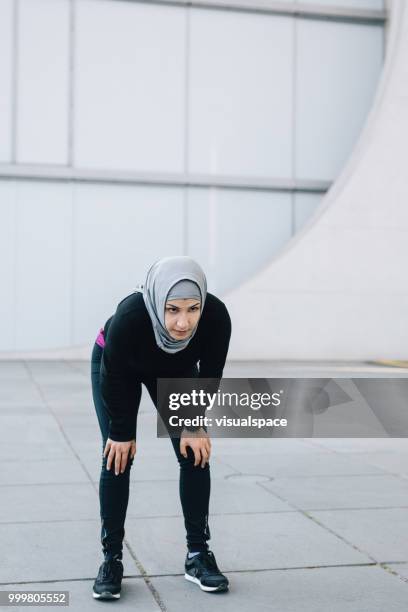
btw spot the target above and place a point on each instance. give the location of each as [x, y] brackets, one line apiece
[110, 474]
[187, 464]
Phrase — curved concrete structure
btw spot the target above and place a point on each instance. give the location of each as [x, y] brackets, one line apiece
[335, 291]
[339, 289]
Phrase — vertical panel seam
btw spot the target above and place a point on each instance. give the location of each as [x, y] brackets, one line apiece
[71, 81]
[14, 79]
[185, 221]
[15, 208]
[70, 158]
[72, 266]
[14, 108]
[294, 122]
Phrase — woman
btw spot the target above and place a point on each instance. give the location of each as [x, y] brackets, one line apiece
[163, 330]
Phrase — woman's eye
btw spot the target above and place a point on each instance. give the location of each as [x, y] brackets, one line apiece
[192, 309]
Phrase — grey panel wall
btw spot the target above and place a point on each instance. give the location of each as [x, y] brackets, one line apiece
[42, 76]
[7, 264]
[136, 92]
[338, 291]
[232, 233]
[118, 232]
[241, 94]
[129, 86]
[43, 280]
[337, 73]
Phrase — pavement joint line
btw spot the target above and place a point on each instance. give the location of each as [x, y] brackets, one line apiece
[57, 420]
[385, 563]
[177, 516]
[53, 484]
[294, 510]
[312, 442]
[344, 540]
[401, 477]
[72, 366]
[354, 509]
[396, 475]
[239, 571]
[322, 525]
[268, 478]
[294, 477]
[355, 454]
[235, 470]
[380, 564]
[390, 570]
[153, 591]
[146, 577]
[341, 538]
[42, 460]
[277, 478]
[227, 477]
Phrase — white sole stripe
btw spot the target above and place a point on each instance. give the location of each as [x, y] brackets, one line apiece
[106, 595]
[197, 581]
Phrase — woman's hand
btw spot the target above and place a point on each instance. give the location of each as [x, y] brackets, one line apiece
[119, 451]
[200, 444]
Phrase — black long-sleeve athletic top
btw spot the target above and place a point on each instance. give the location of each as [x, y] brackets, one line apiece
[131, 356]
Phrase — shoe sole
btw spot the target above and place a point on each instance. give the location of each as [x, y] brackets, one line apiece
[106, 595]
[220, 588]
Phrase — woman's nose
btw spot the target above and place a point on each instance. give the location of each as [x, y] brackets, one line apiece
[182, 323]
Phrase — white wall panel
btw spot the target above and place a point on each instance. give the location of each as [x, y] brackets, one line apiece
[129, 89]
[304, 206]
[240, 94]
[233, 233]
[44, 260]
[338, 70]
[7, 264]
[43, 72]
[6, 44]
[119, 233]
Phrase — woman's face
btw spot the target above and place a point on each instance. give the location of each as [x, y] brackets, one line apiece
[181, 317]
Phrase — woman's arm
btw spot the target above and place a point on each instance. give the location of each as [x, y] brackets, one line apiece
[214, 348]
[216, 343]
[120, 392]
[216, 334]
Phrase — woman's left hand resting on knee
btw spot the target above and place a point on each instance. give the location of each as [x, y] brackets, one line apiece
[200, 444]
[119, 451]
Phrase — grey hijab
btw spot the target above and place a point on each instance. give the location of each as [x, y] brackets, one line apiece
[163, 283]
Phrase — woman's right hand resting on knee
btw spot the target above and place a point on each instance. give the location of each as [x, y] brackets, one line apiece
[119, 452]
[200, 444]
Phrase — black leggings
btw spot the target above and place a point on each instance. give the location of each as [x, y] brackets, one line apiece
[114, 490]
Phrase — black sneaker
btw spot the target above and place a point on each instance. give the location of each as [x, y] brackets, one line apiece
[203, 570]
[109, 580]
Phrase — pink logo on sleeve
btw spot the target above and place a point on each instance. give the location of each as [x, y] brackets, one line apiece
[100, 339]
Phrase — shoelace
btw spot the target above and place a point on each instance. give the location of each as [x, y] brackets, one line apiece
[213, 561]
[208, 560]
[110, 570]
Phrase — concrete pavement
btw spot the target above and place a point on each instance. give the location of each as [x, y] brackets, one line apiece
[297, 524]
